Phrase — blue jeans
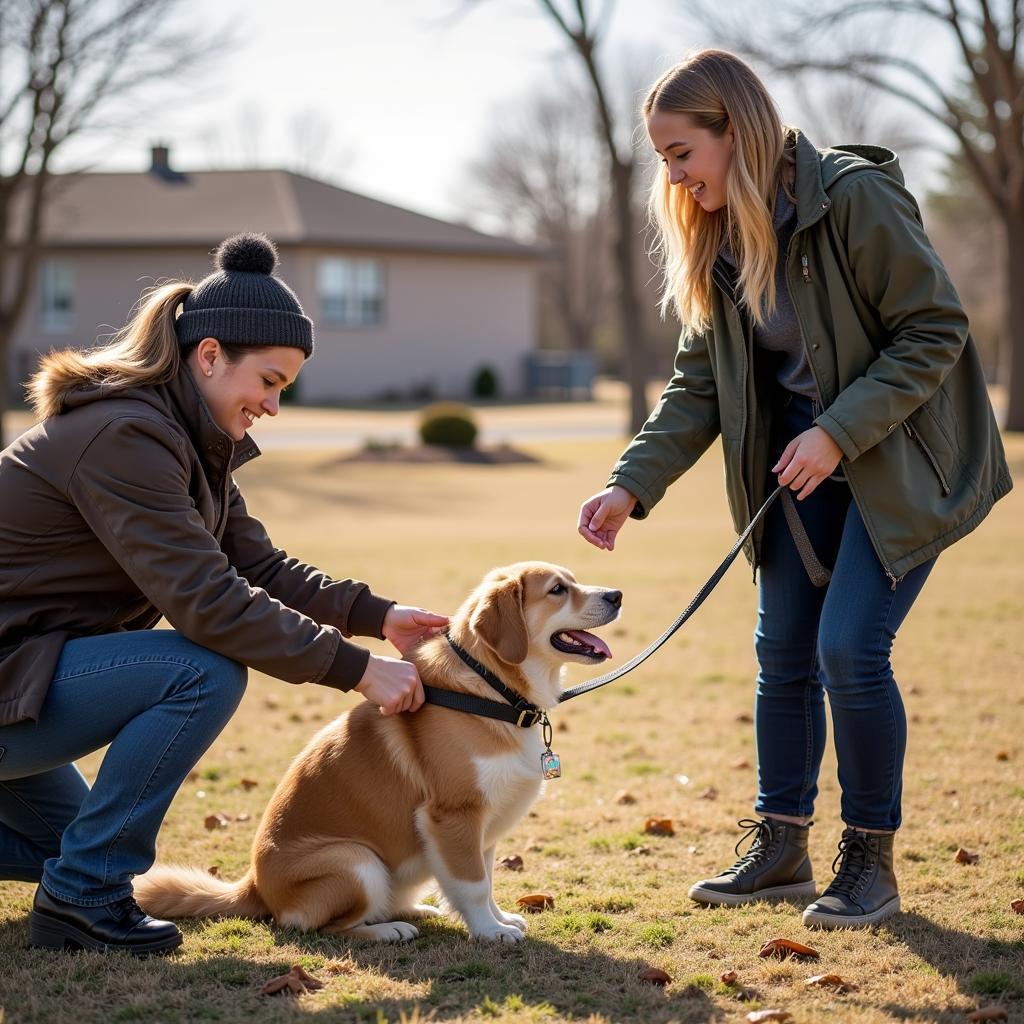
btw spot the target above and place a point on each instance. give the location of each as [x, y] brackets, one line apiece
[835, 639]
[159, 700]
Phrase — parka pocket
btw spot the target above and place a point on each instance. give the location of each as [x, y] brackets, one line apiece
[916, 427]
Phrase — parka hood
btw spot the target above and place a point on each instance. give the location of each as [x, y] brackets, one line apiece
[817, 170]
[181, 399]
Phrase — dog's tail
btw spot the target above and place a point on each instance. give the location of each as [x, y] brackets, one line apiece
[168, 891]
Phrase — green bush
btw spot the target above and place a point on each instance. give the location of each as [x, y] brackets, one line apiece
[485, 383]
[449, 424]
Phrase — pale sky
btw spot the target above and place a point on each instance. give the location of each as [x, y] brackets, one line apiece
[396, 95]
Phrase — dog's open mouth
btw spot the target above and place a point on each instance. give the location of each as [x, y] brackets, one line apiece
[579, 642]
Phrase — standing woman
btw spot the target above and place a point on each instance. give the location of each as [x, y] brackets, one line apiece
[823, 341]
[119, 508]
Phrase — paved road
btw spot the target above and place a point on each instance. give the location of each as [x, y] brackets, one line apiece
[299, 427]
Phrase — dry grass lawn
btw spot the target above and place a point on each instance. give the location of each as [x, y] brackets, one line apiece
[675, 735]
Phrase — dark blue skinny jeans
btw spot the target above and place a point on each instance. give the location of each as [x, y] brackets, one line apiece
[835, 639]
[159, 700]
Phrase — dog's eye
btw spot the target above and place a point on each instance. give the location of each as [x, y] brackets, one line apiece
[557, 589]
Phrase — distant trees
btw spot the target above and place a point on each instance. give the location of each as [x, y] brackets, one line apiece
[66, 64]
[980, 108]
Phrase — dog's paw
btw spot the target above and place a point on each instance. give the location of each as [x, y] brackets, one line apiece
[390, 931]
[517, 920]
[499, 932]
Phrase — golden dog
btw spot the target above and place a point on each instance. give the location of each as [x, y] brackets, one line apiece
[375, 807]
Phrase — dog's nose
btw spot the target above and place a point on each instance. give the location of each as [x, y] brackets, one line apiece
[613, 597]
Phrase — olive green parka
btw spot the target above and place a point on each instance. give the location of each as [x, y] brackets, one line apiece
[901, 386]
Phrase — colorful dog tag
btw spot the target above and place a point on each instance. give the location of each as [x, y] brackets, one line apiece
[550, 765]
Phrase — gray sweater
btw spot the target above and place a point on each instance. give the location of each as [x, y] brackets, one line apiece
[779, 337]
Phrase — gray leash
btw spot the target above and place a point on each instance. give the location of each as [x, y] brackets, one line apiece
[818, 574]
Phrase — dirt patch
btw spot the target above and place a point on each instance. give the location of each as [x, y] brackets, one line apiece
[501, 455]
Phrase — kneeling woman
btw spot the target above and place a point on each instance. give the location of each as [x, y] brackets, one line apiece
[119, 508]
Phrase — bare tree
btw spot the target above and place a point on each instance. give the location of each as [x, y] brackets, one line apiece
[584, 33]
[540, 178]
[64, 64]
[985, 120]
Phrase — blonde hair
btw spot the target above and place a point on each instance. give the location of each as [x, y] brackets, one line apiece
[145, 351]
[719, 91]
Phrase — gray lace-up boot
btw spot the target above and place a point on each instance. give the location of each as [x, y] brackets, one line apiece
[776, 866]
[864, 890]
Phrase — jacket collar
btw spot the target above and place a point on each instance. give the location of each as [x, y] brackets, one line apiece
[215, 447]
[812, 202]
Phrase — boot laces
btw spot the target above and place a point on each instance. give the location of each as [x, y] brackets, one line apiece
[853, 860]
[757, 852]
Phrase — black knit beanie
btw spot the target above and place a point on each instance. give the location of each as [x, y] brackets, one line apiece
[242, 303]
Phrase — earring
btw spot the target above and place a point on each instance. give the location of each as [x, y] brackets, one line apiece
[209, 373]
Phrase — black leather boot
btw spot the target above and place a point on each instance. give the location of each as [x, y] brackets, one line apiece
[54, 924]
[776, 866]
[864, 890]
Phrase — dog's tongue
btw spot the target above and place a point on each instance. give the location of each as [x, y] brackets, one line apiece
[591, 641]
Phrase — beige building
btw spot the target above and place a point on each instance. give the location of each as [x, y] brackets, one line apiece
[404, 305]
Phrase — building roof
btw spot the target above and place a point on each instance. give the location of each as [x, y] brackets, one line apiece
[152, 209]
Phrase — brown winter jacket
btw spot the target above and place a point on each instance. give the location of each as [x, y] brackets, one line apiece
[121, 510]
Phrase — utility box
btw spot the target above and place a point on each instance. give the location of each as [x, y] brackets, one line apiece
[559, 374]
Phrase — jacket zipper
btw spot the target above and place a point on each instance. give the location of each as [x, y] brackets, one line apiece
[727, 291]
[806, 274]
[929, 455]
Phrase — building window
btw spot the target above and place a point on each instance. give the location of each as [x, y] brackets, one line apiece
[57, 288]
[351, 291]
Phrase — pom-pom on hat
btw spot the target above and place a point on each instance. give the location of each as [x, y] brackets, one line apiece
[242, 303]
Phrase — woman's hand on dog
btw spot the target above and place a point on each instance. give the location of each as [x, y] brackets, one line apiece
[393, 685]
[602, 516]
[405, 626]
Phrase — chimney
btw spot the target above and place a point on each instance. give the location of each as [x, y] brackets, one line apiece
[160, 164]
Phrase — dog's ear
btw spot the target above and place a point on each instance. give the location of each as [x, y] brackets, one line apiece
[499, 620]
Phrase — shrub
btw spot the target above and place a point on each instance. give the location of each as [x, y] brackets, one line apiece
[485, 383]
[448, 424]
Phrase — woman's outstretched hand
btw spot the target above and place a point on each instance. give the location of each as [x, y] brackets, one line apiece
[405, 626]
[808, 459]
[602, 516]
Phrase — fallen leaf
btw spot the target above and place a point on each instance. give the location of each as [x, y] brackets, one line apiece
[624, 797]
[512, 863]
[659, 827]
[192, 776]
[830, 981]
[213, 870]
[296, 982]
[640, 851]
[213, 821]
[535, 902]
[760, 1016]
[988, 1013]
[741, 763]
[1002, 756]
[783, 948]
[729, 978]
[248, 784]
[744, 716]
[1017, 906]
[562, 727]
[966, 857]
[656, 976]
[709, 794]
